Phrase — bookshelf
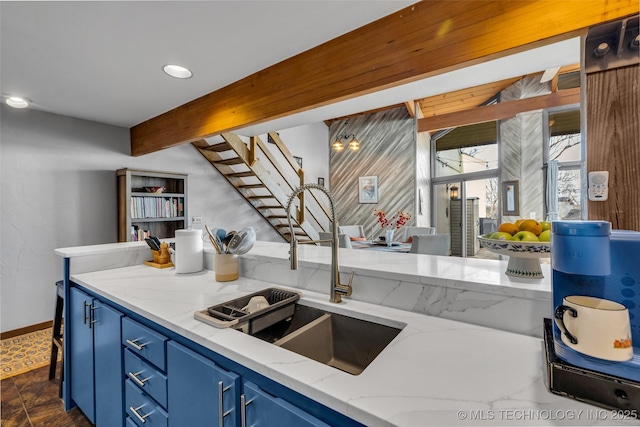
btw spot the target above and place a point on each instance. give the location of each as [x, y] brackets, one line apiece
[143, 211]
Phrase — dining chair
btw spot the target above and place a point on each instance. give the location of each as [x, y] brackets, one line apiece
[356, 231]
[343, 240]
[431, 244]
[412, 231]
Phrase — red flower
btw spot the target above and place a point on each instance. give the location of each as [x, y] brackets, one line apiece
[401, 218]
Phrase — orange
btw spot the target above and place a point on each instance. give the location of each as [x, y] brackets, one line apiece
[507, 227]
[531, 225]
[518, 222]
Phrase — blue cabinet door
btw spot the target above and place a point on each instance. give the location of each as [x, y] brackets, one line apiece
[81, 357]
[109, 366]
[200, 392]
[264, 410]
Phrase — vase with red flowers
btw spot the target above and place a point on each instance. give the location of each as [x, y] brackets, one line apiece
[390, 225]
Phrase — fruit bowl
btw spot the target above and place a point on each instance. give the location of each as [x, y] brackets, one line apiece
[524, 257]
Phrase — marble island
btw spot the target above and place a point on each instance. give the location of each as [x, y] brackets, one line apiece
[437, 371]
[471, 290]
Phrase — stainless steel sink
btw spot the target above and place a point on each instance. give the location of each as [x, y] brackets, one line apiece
[339, 341]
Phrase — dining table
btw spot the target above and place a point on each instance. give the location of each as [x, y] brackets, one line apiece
[377, 245]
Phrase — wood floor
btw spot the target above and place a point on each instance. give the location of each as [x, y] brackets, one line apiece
[31, 400]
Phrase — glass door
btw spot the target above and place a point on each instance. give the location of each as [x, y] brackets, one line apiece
[478, 215]
[465, 184]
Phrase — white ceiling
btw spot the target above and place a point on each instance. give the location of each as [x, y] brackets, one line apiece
[102, 61]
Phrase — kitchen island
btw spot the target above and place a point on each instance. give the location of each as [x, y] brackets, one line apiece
[435, 372]
[471, 290]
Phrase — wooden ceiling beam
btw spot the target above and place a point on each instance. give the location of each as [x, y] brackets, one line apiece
[500, 111]
[413, 112]
[422, 40]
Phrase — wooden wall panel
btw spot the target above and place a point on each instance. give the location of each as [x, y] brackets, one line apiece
[613, 143]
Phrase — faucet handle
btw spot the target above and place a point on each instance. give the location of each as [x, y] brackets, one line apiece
[346, 290]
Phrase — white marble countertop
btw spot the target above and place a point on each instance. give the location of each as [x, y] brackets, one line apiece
[435, 372]
[106, 248]
[454, 272]
[483, 275]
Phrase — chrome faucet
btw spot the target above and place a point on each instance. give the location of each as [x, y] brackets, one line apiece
[337, 289]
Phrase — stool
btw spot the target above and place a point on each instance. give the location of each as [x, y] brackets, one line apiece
[56, 336]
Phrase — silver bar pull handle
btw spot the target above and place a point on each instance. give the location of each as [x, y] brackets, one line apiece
[221, 412]
[85, 318]
[142, 418]
[134, 344]
[220, 408]
[243, 408]
[92, 315]
[137, 380]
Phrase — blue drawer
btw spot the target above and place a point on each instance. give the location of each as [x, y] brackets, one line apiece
[131, 423]
[142, 409]
[149, 379]
[144, 342]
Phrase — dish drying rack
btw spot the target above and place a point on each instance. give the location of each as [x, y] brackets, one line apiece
[229, 314]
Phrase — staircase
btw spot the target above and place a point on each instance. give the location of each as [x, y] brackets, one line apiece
[255, 172]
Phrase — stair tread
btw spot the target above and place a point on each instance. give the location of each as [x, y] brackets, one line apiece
[240, 174]
[263, 196]
[230, 161]
[218, 148]
[251, 186]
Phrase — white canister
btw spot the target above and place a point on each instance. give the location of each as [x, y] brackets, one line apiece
[226, 267]
[189, 254]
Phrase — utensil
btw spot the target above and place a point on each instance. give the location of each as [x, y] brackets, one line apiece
[215, 241]
[156, 240]
[242, 241]
[152, 244]
[226, 240]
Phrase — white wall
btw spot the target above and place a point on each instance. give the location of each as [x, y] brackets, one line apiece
[58, 189]
[311, 143]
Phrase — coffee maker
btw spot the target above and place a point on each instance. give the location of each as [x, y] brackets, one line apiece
[590, 259]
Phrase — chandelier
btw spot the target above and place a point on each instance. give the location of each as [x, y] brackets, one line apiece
[338, 145]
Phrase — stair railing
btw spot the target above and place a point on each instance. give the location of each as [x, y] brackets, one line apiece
[275, 138]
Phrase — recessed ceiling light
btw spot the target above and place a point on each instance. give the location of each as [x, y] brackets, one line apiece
[17, 102]
[177, 71]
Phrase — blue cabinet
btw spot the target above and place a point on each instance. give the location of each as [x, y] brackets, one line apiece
[82, 362]
[145, 356]
[262, 409]
[141, 409]
[200, 392]
[95, 335]
[126, 371]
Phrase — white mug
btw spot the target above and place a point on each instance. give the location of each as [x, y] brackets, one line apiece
[595, 327]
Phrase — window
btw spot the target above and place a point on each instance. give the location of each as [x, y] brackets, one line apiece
[565, 146]
[466, 149]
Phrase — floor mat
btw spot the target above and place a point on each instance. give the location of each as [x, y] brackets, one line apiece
[23, 353]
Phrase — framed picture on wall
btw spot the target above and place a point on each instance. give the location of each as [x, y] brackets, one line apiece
[321, 181]
[510, 198]
[299, 160]
[368, 189]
